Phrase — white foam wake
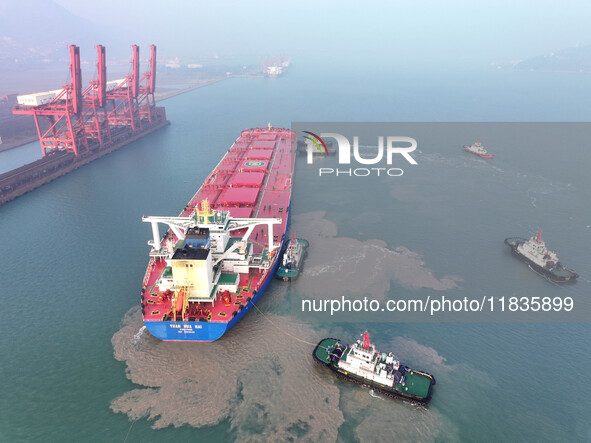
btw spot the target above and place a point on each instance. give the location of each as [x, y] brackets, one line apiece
[137, 336]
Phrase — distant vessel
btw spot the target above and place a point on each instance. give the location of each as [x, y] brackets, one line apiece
[540, 259]
[478, 149]
[275, 66]
[363, 364]
[292, 260]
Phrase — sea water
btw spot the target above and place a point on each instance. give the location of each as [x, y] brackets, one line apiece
[76, 365]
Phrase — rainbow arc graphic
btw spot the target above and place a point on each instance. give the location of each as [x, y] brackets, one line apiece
[317, 141]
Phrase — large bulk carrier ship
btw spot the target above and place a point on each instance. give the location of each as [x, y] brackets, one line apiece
[220, 253]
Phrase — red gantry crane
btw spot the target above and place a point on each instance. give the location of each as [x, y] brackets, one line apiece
[104, 114]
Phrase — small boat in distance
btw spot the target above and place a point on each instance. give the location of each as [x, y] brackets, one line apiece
[478, 149]
[292, 260]
[535, 253]
[361, 363]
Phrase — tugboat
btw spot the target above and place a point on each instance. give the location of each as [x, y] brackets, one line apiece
[540, 259]
[361, 363]
[478, 149]
[293, 257]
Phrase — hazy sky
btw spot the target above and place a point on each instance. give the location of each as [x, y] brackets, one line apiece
[463, 31]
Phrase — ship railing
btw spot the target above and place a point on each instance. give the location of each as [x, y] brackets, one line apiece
[151, 265]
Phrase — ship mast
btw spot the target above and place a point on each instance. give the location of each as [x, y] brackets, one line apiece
[366, 340]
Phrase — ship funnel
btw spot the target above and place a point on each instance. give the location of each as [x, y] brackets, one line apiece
[539, 238]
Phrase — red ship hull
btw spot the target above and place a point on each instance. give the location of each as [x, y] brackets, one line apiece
[253, 180]
[467, 148]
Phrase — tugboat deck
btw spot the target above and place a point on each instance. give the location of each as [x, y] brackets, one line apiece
[321, 351]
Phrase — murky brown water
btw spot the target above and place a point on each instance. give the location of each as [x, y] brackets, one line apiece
[265, 382]
[261, 375]
[338, 262]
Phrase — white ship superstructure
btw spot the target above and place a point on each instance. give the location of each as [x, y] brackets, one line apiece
[293, 253]
[363, 360]
[478, 149]
[535, 249]
[208, 252]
